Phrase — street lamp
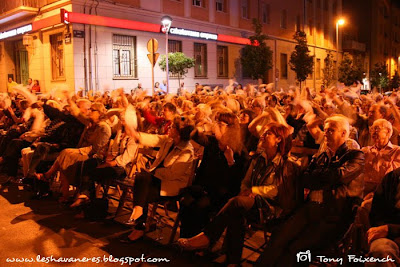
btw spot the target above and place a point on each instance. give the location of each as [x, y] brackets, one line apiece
[166, 23]
[338, 22]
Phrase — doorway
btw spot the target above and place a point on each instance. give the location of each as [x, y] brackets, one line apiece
[21, 63]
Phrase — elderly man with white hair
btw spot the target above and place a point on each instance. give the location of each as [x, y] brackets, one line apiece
[380, 158]
[336, 184]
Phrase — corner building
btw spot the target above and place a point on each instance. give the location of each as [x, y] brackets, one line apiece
[96, 45]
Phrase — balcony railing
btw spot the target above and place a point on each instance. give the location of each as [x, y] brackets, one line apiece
[10, 5]
[354, 46]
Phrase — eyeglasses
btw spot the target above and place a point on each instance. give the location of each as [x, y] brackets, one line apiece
[377, 129]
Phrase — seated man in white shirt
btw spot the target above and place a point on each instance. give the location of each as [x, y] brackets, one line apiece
[380, 158]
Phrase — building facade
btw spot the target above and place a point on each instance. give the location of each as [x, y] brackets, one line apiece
[372, 33]
[100, 45]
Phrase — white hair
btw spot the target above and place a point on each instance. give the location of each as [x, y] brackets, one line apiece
[384, 123]
[340, 121]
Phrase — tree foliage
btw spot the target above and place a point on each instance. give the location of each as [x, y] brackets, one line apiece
[379, 76]
[328, 71]
[349, 71]
[300, 60]
[256, 59]
[178, 64]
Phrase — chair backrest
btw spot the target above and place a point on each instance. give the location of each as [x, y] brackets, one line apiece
[195, 164]
[135, 162]
[82, 137]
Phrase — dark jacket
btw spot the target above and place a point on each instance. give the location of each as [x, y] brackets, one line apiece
[218, 179]
[339, 177]
[66, 134]
[384, 210]
[276, 182]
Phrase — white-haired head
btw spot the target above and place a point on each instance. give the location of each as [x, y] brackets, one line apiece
[382, 123]
[341, 122]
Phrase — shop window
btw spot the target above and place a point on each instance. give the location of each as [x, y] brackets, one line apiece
[200, 56]
[57, 56]
[124, 56]
[222, 61]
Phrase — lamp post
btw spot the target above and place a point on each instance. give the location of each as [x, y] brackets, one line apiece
[166, 23]
[338, 22]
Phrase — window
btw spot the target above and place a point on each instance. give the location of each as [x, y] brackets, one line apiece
[326, 5]
[200, 57]
[284, 19]
[310, 26]
[298, 23]
[57, 56]
[326, 32]
[174, 46]
[220, 5]
[265, 13]
[334, 9]
[124, 56]
[318, 69]
[222, 61]
[198, 3]
[284, 66]
[245, 9]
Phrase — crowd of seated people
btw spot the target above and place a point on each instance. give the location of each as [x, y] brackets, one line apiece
[301, 157]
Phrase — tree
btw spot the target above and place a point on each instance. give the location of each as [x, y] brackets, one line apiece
[256, 58]
[349, 72]
[178, 64]
[395, 81]
[300, 60]
[329, 71]
[379, 76]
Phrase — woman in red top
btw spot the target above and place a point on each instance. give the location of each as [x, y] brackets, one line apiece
[35, 87]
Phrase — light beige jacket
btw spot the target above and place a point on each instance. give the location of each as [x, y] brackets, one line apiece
[175, 171]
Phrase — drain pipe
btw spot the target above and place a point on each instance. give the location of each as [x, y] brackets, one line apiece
[85, 53]
[90, 53]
